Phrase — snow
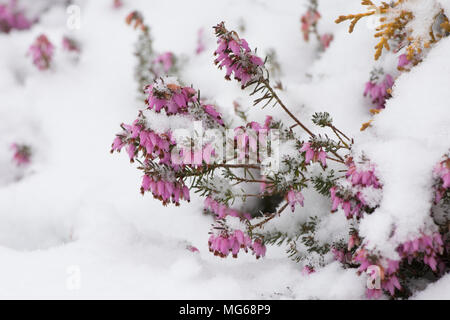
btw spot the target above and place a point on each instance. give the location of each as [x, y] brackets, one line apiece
[74, 225]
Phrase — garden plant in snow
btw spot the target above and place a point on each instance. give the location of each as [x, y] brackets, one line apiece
[234, 166]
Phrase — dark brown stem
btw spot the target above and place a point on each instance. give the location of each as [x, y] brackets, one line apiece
[275, 96]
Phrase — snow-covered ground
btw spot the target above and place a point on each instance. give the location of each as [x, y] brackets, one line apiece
[74, 225]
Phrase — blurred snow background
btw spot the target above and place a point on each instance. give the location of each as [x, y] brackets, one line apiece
[74, 225]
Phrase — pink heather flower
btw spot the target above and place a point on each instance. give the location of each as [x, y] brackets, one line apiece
[164, 190]
[22, 154]
[210, 109]
[167, 61]
[170, 97]
[235, 55]
[229, 242]
[12, 18]
[325, 40]
[379, 92]
[403, 61]
[314, 155]
[117, 4]
[258, 248]
[307, 270]
[41, 52]
[294, 197]
[200, 42]
[70, 45]
[308, 20]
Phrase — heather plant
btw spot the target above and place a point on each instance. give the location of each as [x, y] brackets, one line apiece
[183, 144]
[41, 51]
[12, 18]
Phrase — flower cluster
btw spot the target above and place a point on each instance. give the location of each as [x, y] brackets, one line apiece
[41, 52]
[426, 248]
[309, 22]
[387, 269]
[226, 242]
[235, 55]
[171, 97]
[12, 18]
[379, 91]
[22, 154]
[442, 174]
[359, 193]
[314, 154]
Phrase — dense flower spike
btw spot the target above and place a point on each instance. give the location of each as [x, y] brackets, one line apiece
[165, 190]
[22, 154]
[227, 242]
[379, 91]
[235, 55]
[309, 25]
[427, 248]
[169, 96]
[11, 18]
[359, 192]
[41, 52]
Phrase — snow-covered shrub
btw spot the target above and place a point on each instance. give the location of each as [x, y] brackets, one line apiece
[183, 144]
